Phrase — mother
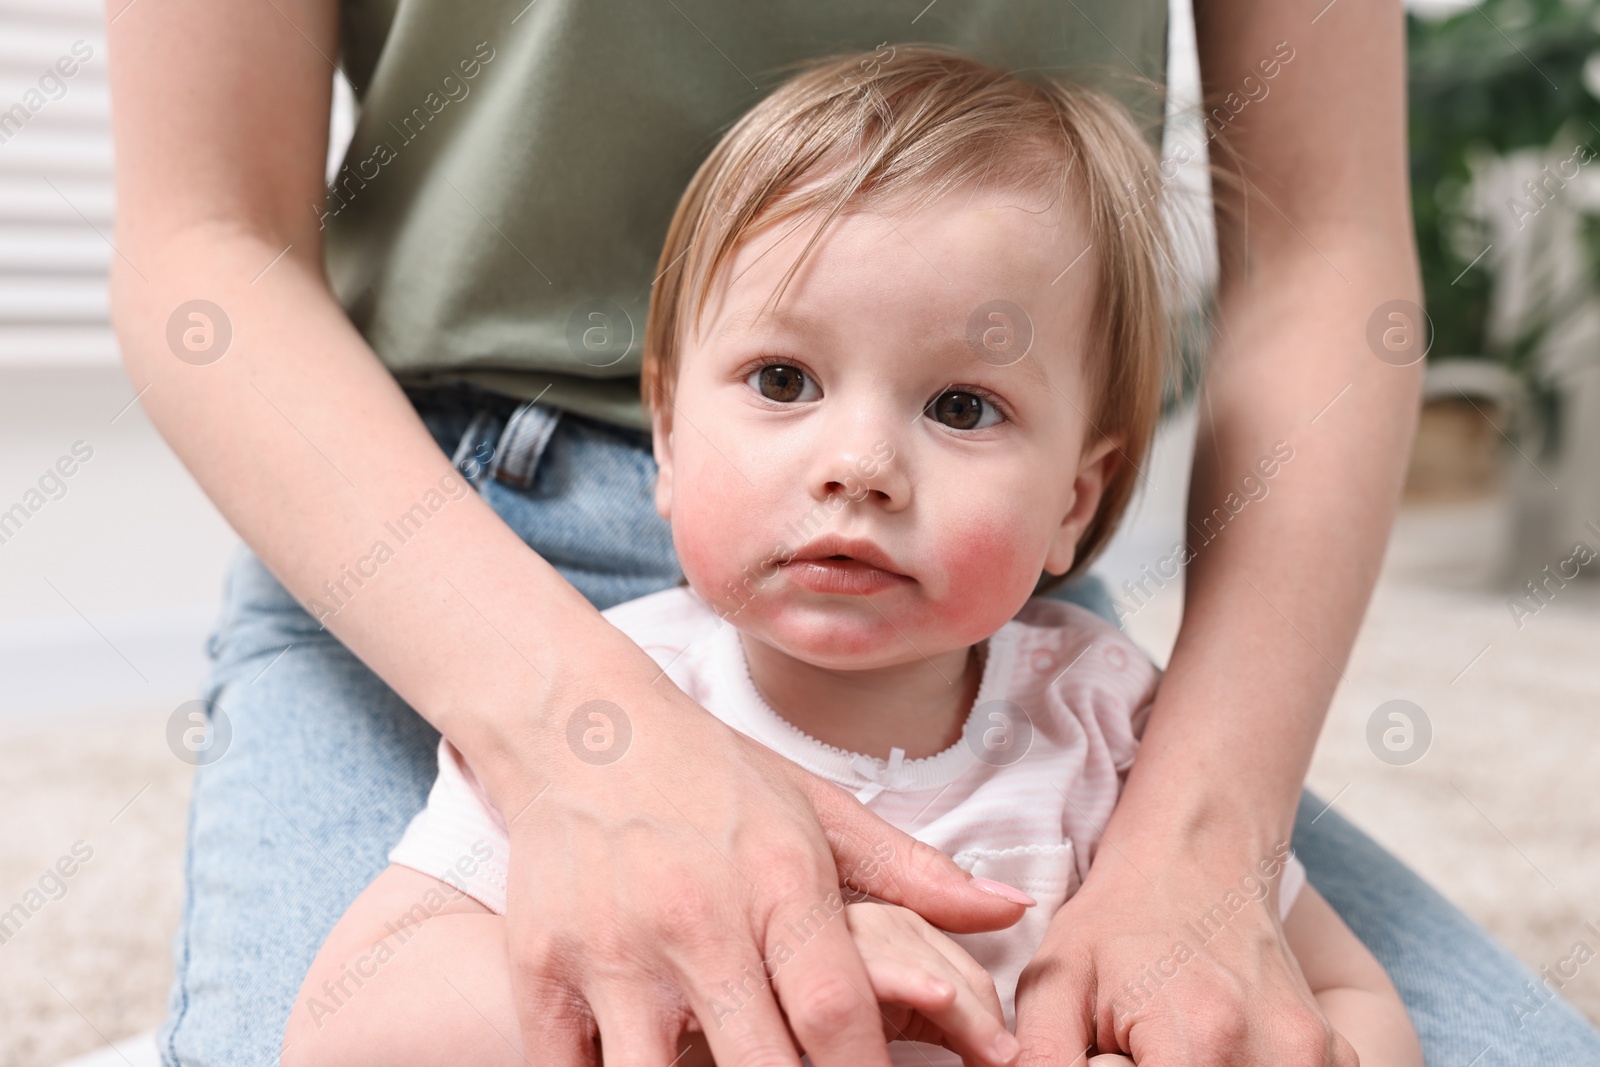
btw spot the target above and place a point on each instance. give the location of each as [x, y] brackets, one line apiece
[469, 298]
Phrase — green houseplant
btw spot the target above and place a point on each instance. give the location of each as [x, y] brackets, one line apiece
[1485, 82]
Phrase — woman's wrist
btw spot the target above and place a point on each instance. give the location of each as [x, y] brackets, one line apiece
[1189, 816]
[1191, 857]
[528, 725]
[1211, 836]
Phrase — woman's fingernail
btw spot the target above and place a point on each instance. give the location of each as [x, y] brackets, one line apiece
[1004, 892]
[1005, 1047]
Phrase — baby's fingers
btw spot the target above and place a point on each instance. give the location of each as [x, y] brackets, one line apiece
[969, 1027]
[896, 981]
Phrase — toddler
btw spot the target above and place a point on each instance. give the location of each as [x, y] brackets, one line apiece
[869, 484]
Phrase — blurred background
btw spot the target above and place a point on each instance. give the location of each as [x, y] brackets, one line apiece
[1466, 734]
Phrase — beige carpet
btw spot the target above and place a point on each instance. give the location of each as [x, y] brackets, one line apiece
[94, 964]
[1501, 813]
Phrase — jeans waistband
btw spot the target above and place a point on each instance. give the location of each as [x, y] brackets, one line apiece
[503, 436]
[460, 398]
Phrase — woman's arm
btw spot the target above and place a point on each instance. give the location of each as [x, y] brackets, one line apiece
[1320, 239]
[634, 893]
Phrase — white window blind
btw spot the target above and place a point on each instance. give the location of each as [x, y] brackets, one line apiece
[56, 192]
[55, 185]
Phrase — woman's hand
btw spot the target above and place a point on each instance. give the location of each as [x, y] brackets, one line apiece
[928, 987]
[660, 861]
[1124, 968]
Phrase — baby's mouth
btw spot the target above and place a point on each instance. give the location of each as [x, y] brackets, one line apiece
[844, 568]
[842, 575]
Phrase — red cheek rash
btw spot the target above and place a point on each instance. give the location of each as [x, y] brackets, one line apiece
[990, 570]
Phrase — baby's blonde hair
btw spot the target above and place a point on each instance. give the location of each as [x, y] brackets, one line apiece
[910, 126]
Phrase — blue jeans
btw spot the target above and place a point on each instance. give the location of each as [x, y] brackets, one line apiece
[326, 765]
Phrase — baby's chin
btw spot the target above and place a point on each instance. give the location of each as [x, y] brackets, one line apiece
[852, 634]
[835, 649]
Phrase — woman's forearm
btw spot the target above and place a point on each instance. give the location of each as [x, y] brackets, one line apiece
[1314, 236]
[294, 429]
[313, 453]
[1275, 594]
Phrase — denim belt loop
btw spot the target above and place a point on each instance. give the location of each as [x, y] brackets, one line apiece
[469, 458]
[523, 442]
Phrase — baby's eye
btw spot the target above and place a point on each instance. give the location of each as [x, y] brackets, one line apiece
[963, 411]
[783, 383]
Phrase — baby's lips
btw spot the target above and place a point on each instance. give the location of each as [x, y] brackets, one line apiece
[1004, 892]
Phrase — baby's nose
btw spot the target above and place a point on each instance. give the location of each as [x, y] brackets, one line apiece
[871, 472]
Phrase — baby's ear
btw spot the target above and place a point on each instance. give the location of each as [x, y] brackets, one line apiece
[1096, 465]
[661, 445]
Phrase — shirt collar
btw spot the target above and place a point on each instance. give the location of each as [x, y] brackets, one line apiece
[866, 776]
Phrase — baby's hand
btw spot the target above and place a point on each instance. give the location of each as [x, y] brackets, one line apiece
[929, 988]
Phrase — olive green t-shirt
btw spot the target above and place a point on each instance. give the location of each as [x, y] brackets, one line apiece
[500, 210]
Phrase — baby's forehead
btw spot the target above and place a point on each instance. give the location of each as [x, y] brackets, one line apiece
[959, 254]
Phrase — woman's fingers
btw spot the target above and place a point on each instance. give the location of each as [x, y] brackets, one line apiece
[824, 986]
[557, 1028]
[1055, 1010]
[877, 858]
[739, 1018]
[635, 1029]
